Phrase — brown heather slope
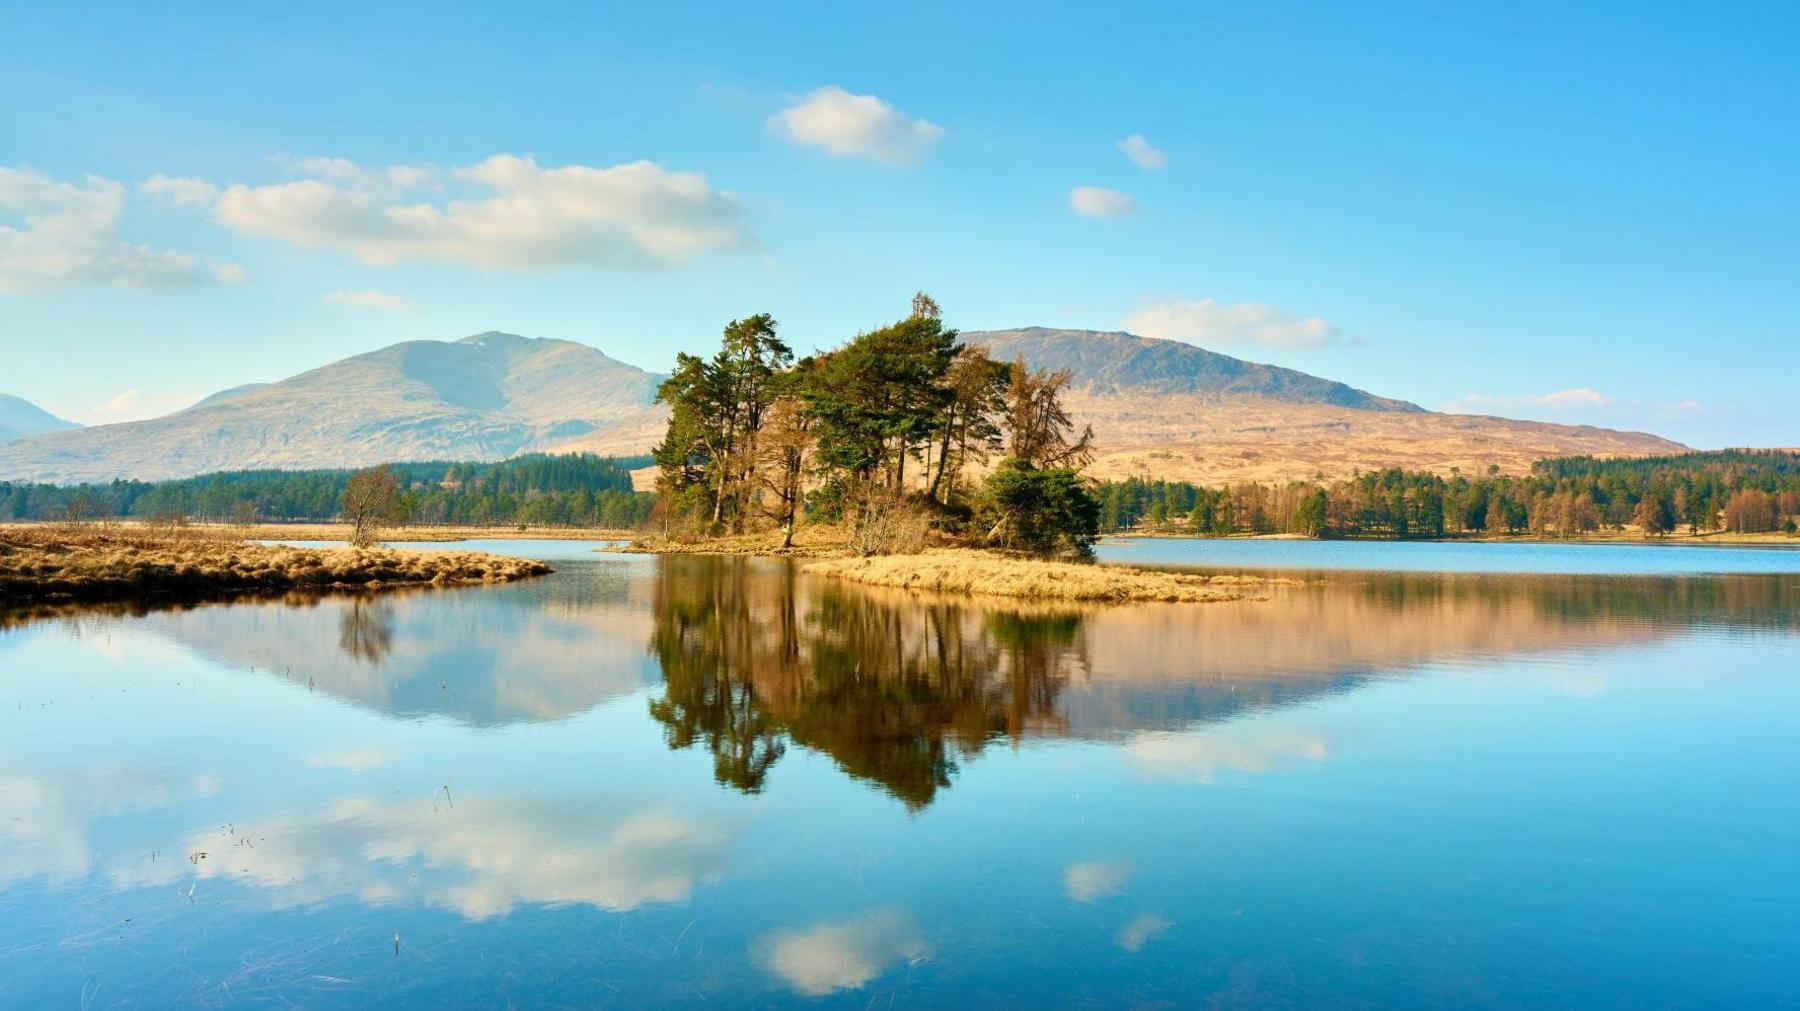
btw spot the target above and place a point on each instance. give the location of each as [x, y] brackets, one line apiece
[1165, 409]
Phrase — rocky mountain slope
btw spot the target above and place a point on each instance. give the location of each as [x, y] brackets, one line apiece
[1159, 408]
[1165, 409]
[484, 397]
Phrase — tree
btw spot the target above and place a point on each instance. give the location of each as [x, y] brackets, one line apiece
[369, 499]
[1039, 429]
[969, 430]
[875, 402]
[1040, 511]
[1656, 515]
[707, 458]
[785, 443]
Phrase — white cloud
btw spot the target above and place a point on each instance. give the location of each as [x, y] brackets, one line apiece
[847, 125]
[637, 213]
[1199, 756]
[1100, 202]
[1140, 930]
[841, 956]
[1141, 152]
[71, 235]
[1210, 322]
[178, 191]
[367, 298]
[137, 405]
[1574, 403]
[1087, 882]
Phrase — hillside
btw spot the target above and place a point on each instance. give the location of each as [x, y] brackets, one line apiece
[1171, 410]
[485, 397]
[20, 418]
[1158, 407]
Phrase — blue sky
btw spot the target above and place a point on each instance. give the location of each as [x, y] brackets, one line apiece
[1584, 216]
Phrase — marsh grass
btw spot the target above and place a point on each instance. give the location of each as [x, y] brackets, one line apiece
[82, 562]
[985, 573]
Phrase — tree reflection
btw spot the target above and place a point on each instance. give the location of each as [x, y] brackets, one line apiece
[366, 630]
[897, 690]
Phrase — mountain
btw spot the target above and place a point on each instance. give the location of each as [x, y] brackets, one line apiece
[20, 417]
[1121, 363]
[1159, 408]
[484, 397]
[1165, 409]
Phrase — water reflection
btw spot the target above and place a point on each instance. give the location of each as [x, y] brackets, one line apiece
[265, 792]
[895, 690]
[901, 689]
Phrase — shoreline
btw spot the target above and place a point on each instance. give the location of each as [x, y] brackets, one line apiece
[54, 566]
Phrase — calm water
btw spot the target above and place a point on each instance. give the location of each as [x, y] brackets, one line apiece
[1453, 556]
[684, 781]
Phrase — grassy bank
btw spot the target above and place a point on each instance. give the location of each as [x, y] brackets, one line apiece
[91, 563]
[984, 573]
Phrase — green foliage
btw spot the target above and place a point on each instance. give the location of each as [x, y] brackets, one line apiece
[1041, 511]
[1743, 490]
[539, 489]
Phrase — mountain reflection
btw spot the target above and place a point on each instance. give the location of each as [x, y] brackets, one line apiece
[900, 689]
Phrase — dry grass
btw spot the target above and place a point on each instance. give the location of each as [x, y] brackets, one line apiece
[987, 574]
[811, 540]
[100, 563]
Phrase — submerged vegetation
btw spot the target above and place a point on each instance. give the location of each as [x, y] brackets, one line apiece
[1737, 491]
[96, 562]
[884, 436]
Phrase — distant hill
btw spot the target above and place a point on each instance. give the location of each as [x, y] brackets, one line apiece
[1160, 408]
[1111, 362]
[1166, 409]
[20, 418]
[485, 397]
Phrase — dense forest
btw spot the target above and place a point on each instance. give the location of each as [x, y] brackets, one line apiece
[1742, 491]
[539, 489]
[886, 436]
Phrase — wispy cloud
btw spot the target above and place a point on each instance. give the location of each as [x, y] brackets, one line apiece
[531, 217]
[367, 298]
[1209, 322]
[855, 126]
[1143, 153]
[1100, 202]
[178, 191]
[137, 405]
[68, 233]
[1576, 403]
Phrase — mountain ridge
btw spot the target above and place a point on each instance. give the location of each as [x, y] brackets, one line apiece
[20, 418]
[1158, 407]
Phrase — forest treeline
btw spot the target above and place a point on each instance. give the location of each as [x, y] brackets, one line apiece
[538, 489]
[899, 431]
[1742, 491]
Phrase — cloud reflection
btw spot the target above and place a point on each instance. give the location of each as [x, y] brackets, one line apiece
[481, 858]
[1198, 756]
[842, 955]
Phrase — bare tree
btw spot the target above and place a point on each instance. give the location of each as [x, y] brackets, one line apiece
[1039, 429]
[369, 500]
